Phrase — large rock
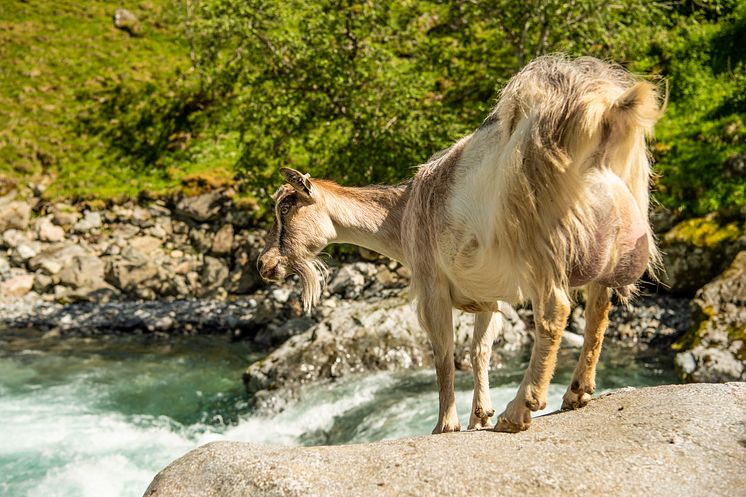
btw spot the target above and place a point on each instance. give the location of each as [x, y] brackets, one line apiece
[129, 276]
[201, 208]
[697, 250]
[83, 271]
[715, 348]
[664, 441]
[357, 337]
[54, 258]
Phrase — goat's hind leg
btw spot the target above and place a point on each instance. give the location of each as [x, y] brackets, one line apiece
[550, 316]
[436, 317]
[583, 383]
[485, 328]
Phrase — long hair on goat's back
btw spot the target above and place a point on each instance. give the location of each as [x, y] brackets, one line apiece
[562, 117]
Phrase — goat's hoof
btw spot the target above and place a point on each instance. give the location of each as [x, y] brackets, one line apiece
[575, 400]
[480, 419]
[534, 401]
[577, 395]
[484, 413]
[477, 423]
[515, 418]
[507, 426]
[446, 428]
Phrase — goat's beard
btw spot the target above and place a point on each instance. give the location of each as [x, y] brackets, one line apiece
[312, 274]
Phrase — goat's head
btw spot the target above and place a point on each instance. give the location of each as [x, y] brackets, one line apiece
[302, 227]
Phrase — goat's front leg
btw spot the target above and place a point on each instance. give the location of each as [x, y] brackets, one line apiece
[486, 325]
[550, 317]
[596, 321]
[436, 317]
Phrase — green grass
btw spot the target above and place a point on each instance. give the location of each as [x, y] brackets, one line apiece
[53, 56]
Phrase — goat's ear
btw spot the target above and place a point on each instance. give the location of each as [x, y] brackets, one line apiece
[301, 182]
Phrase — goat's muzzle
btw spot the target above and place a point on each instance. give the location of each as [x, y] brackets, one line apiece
[270, 268]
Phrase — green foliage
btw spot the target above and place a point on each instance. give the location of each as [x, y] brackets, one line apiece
[702, 139]
[364, 91]
[358, 91]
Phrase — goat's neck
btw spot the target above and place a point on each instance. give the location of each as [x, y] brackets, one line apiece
[369, 217]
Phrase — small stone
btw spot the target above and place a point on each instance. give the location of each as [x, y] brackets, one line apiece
[572, 340]
[280, 295]
[64, 215]
[214, 273]
[200, 239]
[14, 215]
[13, 237]
[141, 217]
[127, 21]
[223, 241]
[91, 220]
[348, 282]
[27, 251]
[18, 286]
[177, 254]
[146, 244]
[48, 231]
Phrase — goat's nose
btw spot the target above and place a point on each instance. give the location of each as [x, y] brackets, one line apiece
[259, 264]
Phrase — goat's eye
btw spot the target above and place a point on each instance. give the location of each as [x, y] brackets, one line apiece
[284, 210]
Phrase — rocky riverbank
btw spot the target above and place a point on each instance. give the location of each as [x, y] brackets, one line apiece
[666, 441]
[185, 265]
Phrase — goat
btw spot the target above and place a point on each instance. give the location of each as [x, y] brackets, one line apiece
[549, 194]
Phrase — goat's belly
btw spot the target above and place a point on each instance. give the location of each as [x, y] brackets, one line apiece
[479, 280]
[620, 251]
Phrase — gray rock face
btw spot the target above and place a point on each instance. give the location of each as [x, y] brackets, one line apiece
[715, 348]
[664, 441]
[354, 337]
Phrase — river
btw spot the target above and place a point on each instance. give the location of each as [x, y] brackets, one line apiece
[100, 417]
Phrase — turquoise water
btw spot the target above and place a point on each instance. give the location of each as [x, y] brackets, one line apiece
[99, 417]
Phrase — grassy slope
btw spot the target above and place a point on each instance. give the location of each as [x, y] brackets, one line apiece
[53, 50]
